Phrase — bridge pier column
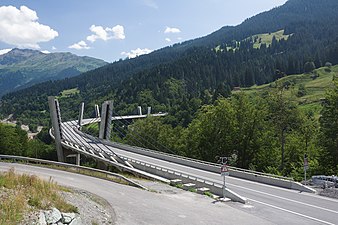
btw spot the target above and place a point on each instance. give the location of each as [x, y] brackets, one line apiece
[106, 120]
[78, 159]
[55, 116]
[149, 111]
[139, 110]
[97, 111]
[81, 115]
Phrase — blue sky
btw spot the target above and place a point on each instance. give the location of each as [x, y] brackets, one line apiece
[114, 29]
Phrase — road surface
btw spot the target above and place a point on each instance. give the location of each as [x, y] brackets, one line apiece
[278, 205]
[136, 206]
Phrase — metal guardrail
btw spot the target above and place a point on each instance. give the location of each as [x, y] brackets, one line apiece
[66, 165]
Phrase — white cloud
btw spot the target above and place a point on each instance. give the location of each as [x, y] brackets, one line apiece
[136, 52]
[172, 30]
[4, 51]
[20, 27]
[80, 45]
[151, 4]
[45, 51]
[53, 48]
[107, 33]
[168, 39]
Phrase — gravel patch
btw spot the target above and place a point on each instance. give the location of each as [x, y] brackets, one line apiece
[327, 192]
[92, 209]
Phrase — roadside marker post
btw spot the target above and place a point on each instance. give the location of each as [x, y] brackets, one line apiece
[224, 172]
[306, 166]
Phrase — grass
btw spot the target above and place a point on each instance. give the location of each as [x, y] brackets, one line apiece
[257, 40]
[22, 193]
[267, 38]
[316, 85]
[209, 194]
[90, 173]
[69, 92]
[96, 174]
[193, 190]
[178, 186]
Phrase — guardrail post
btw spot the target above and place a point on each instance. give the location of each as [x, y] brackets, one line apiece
[56, 123]
[106, 119]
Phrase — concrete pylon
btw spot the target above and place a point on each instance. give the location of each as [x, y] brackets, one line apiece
[139, 110]
[81, 115]
[55, 116]
[97, 111]
[149, 111]
[106, 119]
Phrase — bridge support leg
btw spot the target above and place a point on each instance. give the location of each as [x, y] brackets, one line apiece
[149, 111]
[55, 116]
[106, 119]
[81, 115]
[139, 110]
[78, 159]
[97, 111]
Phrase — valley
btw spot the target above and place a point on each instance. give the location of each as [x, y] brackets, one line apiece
[263, 93]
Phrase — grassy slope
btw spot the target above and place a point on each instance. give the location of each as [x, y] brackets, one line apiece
[69, 92]
[21, 193]
[267, 38]
[315, 88]
[260, 39]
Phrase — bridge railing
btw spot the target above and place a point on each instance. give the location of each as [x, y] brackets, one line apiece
[200, 164]
[199, 182]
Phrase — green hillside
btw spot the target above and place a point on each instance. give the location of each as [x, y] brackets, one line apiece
[257, 40]
[308, 89]
[180, 78]
[21, 68]
[267, 38]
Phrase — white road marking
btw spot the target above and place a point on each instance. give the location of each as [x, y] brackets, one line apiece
[295, 213]
[287, 199]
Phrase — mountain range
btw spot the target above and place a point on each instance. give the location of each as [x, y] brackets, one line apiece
[20, 68]
[180, 78]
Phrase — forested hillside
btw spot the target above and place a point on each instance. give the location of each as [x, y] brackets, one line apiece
[14, 141]
[194, 81]
[265, 132]
[21, 68]
[182, 77]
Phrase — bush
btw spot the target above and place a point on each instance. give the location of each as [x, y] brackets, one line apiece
[309, 67]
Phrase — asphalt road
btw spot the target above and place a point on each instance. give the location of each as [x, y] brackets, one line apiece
[136, 206]
[278, 205]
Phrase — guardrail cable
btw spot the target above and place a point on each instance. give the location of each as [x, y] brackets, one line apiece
[74, 126]
[108, 152]
[134, 132]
